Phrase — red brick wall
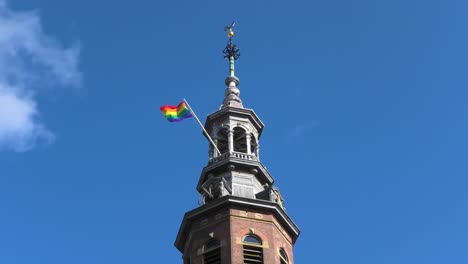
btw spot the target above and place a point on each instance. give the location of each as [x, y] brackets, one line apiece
[230, 226]
[266, 228]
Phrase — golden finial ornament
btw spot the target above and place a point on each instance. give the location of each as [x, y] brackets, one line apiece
[230, 29]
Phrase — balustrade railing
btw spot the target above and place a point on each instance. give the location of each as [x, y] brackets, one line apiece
[238, 155]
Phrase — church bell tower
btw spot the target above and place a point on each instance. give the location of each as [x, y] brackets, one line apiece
[241, 218]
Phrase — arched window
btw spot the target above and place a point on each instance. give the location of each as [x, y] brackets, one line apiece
[212, 252]
[253, 251]
[240, 143]
[283, 257]
[222, 139]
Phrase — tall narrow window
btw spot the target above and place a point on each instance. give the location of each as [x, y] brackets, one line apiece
[253, 251]
[240, 143]
[212, 252]
[283, 257]
[222, 137]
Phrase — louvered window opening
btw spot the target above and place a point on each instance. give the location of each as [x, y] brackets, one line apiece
[212, 256]
[253, 255]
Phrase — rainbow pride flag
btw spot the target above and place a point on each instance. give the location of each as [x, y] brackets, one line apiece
[176, 113]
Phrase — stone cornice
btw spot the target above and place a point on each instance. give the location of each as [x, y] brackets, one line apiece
[238, 203]
[235, 111]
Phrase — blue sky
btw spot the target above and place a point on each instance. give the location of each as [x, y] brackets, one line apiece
[364, 104]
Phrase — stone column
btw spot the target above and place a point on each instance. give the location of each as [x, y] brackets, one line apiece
[247, 137]
[231, 140]
[210, 151]
[213, 151]
[258, 150]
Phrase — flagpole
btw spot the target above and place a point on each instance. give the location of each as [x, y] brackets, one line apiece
[204, 130]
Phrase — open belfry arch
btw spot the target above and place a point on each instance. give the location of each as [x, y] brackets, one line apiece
[241, 218]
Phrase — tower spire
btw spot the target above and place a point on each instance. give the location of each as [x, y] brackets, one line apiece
[241, 217]
[231, 53]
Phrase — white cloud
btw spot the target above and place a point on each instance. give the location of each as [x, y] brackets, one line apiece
[29, 60]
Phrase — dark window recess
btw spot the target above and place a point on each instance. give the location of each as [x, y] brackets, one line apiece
[212, 257]
[212, 254]
[222, 138]
[240, 141]
[283, 257]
